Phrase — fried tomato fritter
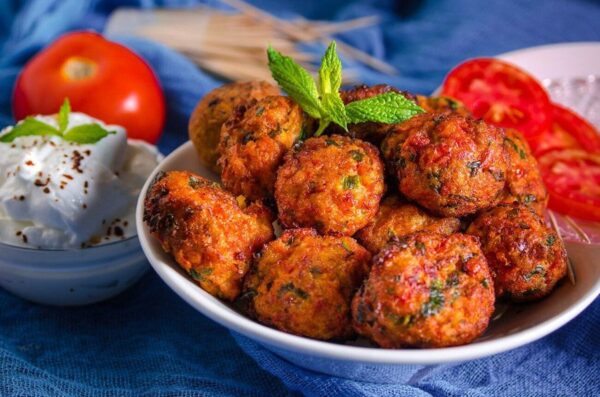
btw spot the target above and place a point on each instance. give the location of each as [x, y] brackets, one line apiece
[526, 257]
[397, 219]
[214, 109]
[441, 104]
[371, 132]
[205, 230]
[429, 290]
[450, 164]
[330, 183]
[303, 283]
[253, 143]
[524, 183]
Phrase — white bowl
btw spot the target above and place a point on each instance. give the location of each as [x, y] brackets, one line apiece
[72, 277]
[519, 325]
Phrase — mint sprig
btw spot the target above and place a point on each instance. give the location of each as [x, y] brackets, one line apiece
[389, 108]
[81, 134]
[296, 81]
[324, 103]
[63, 115]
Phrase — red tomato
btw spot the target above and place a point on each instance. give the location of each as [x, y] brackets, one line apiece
[100, 78]
[572, 177]
[501, 94]
[568, 131]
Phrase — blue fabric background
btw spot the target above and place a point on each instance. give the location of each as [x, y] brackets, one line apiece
[149, 342]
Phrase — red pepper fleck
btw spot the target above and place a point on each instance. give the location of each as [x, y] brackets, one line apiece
[29, 163]
[39, 183]
[77, 157]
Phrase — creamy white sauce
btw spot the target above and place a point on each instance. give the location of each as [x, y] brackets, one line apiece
[56, 194]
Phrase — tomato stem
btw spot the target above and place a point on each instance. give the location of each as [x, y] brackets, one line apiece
[79, 68]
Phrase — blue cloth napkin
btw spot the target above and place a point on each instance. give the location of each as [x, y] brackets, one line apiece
[149, 342]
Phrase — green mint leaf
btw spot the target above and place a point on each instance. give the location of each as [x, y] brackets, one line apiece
[63, 115]
[389, 108]
[86, 134]
[28, 127]
[334, 109]
[296, 81]
[323, 123]
[330, 72]
[330, 81]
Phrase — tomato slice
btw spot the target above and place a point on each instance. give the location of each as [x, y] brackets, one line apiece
[501, 94]
[572, 177]
[568, 131]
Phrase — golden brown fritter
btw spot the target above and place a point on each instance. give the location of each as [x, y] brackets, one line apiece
[430, 290]
[330, 183]
[370, 132]
[524, 183]
[205, 230]
[397, 219]
[450, 164]
[526, 257]
[441, 104]
[253, 143]
[214, 109]
[303, 283]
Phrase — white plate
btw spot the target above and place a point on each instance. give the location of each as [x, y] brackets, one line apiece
[519, 325]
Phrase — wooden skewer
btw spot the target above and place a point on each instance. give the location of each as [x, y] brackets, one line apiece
[337, 27]
[244, 36]
[234, 71]
[580, 232]
[570, 269]
[375, 63]
[299, 34]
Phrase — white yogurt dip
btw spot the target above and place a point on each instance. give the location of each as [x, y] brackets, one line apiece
[56, 194]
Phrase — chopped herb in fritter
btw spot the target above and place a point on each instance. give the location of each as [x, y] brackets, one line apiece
[399, 319]
[315, 271]
[345, 246]
[452, 280]
[529, 198]
[194, 182]
[200, 275]
[401, 163]
[434, 181]
[474, 166]
[290, 287]
[538, 270]
[350, 182]
[436, 300]
[420, 246]
[357, 155]
[516, 148]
